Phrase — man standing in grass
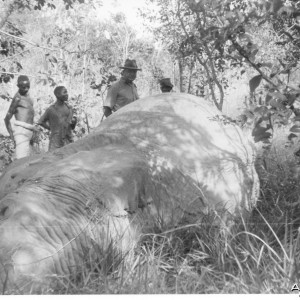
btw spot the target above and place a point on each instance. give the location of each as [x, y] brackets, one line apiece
[124, 91]
[59, 119]
[22, 109]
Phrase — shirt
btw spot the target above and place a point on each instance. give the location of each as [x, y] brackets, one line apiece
[121, 94]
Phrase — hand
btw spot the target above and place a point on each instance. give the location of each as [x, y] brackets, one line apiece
[74, 120]
[107, 111]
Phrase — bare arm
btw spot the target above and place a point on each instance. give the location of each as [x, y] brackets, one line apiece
[73, 120]
[43, 121]
[11, 111]
[136, 92]
[110, 100]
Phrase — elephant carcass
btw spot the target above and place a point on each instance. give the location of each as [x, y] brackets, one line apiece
[160, 162]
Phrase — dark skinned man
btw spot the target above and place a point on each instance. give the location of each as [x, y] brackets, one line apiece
[165, 85]
[59, 119]
[22, 109]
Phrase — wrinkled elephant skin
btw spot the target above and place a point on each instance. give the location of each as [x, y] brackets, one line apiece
[157, 163]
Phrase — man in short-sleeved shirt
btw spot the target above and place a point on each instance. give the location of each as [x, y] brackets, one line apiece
[124, 91]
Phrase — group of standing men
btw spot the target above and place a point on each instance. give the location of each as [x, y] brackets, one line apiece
[59, 118]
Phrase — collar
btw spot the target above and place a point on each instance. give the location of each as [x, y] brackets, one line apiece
[64, 104]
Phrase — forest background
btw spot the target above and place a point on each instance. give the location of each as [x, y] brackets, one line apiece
[236, 54]
[240, 55]
[80, 48]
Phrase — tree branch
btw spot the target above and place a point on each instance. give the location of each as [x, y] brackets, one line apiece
[43, 47]
[12, 73]
[204, 64]
[214, 76]
[6, 8]
[241, 51]
[11, 57]
[28, 42]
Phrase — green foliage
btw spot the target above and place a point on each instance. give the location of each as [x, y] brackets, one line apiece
[223, 34]
[5, 78]
[254, 83]
[9, 46]
[82, 54]
[192, 43]
[264, 119]
[39, 4]
[6, 152]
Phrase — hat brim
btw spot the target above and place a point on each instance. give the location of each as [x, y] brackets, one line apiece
[130, 68]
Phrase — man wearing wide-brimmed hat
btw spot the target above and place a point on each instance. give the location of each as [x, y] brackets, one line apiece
[165, 85]
[124, 91]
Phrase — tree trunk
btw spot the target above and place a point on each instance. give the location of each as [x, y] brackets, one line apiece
[6, 8]
[84, 64]
[210, 82]
[214, 76]
[180, 67]
[174, 74]
[191, 75]
[208, 67]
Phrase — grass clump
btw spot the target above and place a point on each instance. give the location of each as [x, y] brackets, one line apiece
[258, 255]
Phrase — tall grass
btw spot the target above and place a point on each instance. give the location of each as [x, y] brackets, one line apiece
[252, 258]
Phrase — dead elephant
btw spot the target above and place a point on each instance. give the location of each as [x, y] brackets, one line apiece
[157, 163]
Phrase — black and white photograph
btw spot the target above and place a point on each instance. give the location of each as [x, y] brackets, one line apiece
[150, 148]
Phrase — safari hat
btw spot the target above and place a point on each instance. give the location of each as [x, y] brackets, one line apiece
[166, 82]
[130, 64]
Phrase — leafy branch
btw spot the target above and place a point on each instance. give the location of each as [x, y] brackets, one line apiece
[28, 42]
[208, 65]
[243, 53]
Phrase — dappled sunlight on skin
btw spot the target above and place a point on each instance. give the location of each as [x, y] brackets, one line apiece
[209, 154]
[157, 163]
